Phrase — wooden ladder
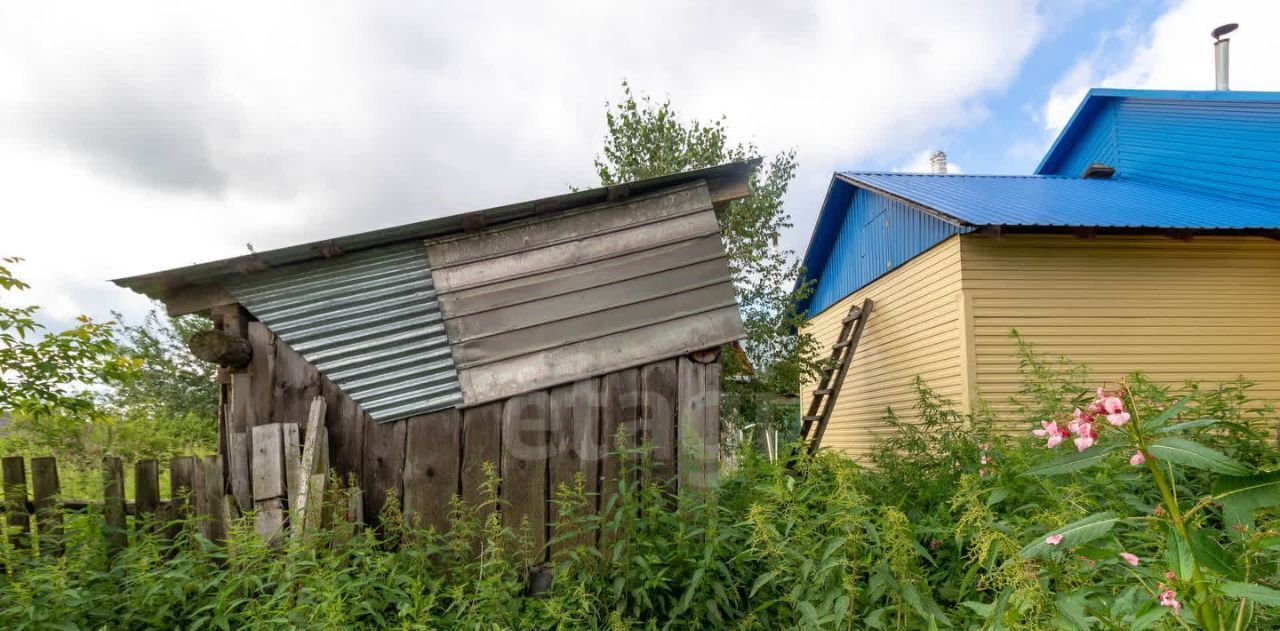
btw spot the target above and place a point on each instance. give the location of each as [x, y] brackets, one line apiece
[824, 396]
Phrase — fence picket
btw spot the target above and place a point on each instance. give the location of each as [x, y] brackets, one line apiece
[14, 476]
[47, 491]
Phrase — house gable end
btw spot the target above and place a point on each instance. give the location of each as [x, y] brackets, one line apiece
[876, 234]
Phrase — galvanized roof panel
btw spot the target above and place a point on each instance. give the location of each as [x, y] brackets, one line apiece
[369, 321]
[1054, 201]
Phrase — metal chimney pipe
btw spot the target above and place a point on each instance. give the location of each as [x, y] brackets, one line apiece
[938, 162]
[1222, 56]
[1221, 64]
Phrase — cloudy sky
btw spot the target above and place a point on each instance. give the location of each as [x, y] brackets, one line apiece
[141, 136]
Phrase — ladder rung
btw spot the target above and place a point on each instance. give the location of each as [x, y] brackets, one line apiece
[839, 345]
[810, 419]
[852, 317]
[822, 392]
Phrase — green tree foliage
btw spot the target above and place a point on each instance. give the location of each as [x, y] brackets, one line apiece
[169, 381]
[647, 138]
[101, 388]
[44, 373]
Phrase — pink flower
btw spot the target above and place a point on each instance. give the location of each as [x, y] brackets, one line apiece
[1053, 432]
[1131, 559]
[1118, 419]
[985, 447]
[1170, 575]
[985, 459]
[1112, 405]
[1053, 540]
[982, 473]
[1169, 598]
[1137, 459]
[1085, 436]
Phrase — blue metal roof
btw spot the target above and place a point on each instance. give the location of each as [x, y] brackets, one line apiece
[1058, 201]
[1096, 100]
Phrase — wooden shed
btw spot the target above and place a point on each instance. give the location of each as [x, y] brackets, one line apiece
[525, 336]
[1148, 239]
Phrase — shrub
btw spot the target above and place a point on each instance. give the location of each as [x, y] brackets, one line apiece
[955, 524]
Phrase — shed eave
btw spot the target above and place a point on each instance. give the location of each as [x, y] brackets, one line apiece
[729, 179]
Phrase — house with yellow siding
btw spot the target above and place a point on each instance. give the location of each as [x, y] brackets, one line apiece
[1145, 240]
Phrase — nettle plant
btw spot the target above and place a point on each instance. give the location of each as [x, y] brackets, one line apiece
[1208, 560]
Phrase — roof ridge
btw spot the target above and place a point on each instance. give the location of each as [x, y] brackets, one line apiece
[1029, 176]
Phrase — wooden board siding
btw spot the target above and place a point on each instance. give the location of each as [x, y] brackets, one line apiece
[915, 330]
[535, 441]
[1206, 309]
[555, 300]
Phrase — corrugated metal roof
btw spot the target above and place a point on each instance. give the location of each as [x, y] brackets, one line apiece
[1095, 102]
[1053, 201]
[368, 321]
[877, 235]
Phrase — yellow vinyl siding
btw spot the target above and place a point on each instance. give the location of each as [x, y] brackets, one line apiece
[913, 330]
[1206, 309]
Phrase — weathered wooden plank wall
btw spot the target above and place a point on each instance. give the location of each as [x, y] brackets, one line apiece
[535, 441]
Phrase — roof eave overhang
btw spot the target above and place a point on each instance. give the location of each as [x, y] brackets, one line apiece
[1095, 231]
[193, 288]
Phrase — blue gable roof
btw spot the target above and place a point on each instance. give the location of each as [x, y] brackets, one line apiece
[1185, 161]
[1055, 201]
[1219, 142]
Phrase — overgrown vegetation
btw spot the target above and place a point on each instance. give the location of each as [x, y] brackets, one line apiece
[647, 138]
[947, 529]
[101, 388]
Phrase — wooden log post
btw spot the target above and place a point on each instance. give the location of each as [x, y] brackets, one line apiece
[46, 490]
[14, 476]
[223, 348]
[113, 509]
[146, 492]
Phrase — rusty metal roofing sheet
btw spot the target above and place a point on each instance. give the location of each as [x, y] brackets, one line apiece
[369, 321]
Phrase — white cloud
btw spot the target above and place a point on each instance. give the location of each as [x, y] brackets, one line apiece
[1176, 53]
[142, 136]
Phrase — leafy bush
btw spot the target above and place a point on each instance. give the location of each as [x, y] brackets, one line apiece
[955, 524]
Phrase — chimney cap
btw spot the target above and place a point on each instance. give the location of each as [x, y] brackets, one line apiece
[938, 162]
[1225, 29]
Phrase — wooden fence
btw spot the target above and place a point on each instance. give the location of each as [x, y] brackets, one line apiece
[197, 488]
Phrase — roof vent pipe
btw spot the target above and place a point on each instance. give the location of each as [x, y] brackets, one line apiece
[938, 162]
[1222, 55]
